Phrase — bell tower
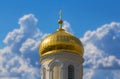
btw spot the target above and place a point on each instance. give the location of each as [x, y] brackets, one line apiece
[61, 55]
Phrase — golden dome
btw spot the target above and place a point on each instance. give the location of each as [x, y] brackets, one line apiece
[61, 41]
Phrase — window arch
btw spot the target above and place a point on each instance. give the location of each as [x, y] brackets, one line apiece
[70, 72]
[56, 71]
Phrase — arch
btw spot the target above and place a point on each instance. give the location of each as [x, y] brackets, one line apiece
[70, 62]
[53, 62]
[55, 69]
[71, 72]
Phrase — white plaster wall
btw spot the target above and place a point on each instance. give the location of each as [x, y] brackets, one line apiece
[63, 60]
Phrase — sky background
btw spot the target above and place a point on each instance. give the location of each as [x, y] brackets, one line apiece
[23, 23]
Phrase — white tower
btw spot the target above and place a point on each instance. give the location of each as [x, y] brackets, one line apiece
[61, 56]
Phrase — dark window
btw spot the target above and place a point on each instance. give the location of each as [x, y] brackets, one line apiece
[70, 72]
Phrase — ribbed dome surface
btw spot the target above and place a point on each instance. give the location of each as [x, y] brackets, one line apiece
[60, 41]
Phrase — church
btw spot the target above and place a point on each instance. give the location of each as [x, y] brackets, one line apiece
[61, 55]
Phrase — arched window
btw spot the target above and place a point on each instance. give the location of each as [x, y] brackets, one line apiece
[56, 71]
[70, 72]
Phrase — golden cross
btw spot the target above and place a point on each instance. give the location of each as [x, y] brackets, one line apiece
[60, 14]
[60, 21]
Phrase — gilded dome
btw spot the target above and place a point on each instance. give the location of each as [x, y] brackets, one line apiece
[60, 41]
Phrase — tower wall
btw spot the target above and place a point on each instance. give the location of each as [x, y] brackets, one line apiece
[62, 65]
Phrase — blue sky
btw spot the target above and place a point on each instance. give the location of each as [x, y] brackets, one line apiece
[85, 15]
[24, 23]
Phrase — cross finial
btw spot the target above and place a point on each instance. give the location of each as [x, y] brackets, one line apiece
[60, 14]
[60, 21]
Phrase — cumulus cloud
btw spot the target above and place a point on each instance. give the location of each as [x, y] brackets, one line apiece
[29, 45]
[101, 74]
[66, 26]
[19, 57]
[102, 52]
[26, 37]
[15, 67]
[102, 46]
[88, 74]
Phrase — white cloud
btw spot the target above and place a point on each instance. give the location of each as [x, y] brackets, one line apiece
[101, 74]
[12, 65]
[29, 45]
[102, 46]
[18, 39]
[28, 23]
[102, 52]
[13, 36]
[66, 26]
[27, 28]
[9, 78]
[17, 60]
[88, 74]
